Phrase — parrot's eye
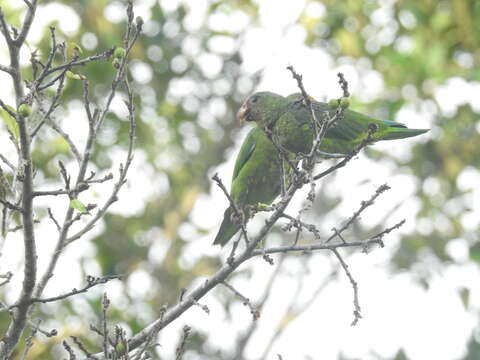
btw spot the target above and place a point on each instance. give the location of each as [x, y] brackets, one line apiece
[254, 99]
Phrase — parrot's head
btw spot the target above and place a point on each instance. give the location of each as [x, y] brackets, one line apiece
[264, 108]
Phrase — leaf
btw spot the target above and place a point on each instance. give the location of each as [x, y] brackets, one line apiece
[11, 123]
[78, 205]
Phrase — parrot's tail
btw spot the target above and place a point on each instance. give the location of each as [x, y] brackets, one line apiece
[227, 229]
[394, 133]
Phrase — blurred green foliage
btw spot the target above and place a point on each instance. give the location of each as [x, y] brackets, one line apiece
[185, 116]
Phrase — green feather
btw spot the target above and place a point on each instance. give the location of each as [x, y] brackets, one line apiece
[292, 126]
[257, 175]
[257, 178]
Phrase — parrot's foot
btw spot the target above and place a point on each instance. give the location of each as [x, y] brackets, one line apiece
[308, 164]
[238, 218]
[253, 209]
[342, 102]
[263, 207]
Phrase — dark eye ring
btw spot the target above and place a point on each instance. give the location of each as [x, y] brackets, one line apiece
[254, 99]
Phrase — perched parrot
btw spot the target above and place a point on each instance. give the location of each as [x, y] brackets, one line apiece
[290, 122]
[258, 175]
[257, 178]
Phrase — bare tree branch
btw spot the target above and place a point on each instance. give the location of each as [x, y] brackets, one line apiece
[245, 301]
[181, 348]
[298, 180]
[47, 77]
[242, 342]
[295, 309]
[94, 123]
[238, 213]
[363, 206]
[16, 326]
[32, 7]
[91, 282]
[11, 206]
[357, 311]
[7, 162]
[5, 32]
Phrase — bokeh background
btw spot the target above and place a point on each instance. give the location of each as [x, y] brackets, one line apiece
[412, 61]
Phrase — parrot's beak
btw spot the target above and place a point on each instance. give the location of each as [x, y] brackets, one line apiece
[242, 114]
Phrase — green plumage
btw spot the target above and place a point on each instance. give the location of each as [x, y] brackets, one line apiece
[257, 178]
[292, 126]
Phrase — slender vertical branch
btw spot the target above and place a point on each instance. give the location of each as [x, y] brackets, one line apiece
[5, 30]
[357, 311]
[27, 23]
[25, 167]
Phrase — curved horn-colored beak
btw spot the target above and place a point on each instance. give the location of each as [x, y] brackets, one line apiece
[242, 113]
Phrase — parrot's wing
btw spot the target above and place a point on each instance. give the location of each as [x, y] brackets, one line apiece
[228, 228]
[355, 125]
[351, 127]
[348, 129]
[245, 153]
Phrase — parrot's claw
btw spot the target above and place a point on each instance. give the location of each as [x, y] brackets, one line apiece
[253, 209]
[262, 207]
[238, 217]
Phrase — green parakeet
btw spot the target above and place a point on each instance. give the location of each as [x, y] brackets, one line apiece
[257, 178]
[290, 122]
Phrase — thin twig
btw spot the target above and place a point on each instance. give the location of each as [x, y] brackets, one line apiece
[146, 335]
[299, 224]
[123, 170]
[26, 23]
[28, 343]
[81, 62]
[91, 282]
[83, 348]
[372, 240]
[306, 97]
[7, 276]
[357, 311]
[20, 315]
[181, 348]
[64, 239]
[105, 306]
[239, 214]
[363, 205]
[50, 215]
[69, 350]
[7, 108]
[5, 31]
[317, 246]
[371, 130]
[242, 342]
[8, 163]
[295, 309]
[343, 84]
[11, 206]
[245, 301]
